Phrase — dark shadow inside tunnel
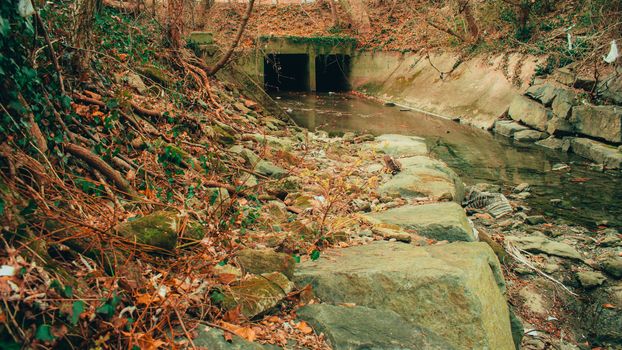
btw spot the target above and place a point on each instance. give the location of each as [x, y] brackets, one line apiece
[286, 72]
[332, 73]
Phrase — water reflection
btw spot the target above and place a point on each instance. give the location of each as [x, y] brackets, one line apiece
[476, 155]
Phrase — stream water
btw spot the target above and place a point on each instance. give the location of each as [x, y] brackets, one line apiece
[579, 194]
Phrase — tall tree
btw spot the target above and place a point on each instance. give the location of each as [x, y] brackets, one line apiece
[467, 11]
[82, 32]
[175, 22]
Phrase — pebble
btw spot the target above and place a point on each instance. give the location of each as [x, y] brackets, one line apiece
[523, 187]
[535, 220]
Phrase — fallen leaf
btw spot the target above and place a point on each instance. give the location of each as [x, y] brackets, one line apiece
[304, 327]
[609, 306]
[227, 278]
[580, 179]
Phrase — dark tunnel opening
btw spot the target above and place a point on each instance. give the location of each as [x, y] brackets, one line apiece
[286, 72]
[332, 73]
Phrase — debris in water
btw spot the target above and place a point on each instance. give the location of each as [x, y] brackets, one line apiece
[494, 203]
[560, 166]
[613, 53]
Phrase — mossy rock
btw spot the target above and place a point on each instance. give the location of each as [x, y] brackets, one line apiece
[223, 135]
[258, 294]
[258, 261]
[158, 229]
[156, 74]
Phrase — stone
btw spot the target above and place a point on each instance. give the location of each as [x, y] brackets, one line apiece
[529, 135]
[555, 143]
[535, 220]
[611, 88]
[597, 152]
[156, 74]
[424, 177]
[279, 143]
[533, 301]
[392, 232]
[522, 187]
[539, 244]
[361, 205]
[201, 38]
[267, 168]
[612, 265]
[518, 330]
[545, 93]
[563, 103]
[610, 241]
[508, 128]
[133, 80]
[440, 221]
[213, 339]
[590, 279]
[603, 122]
[529, 112]
[455, 290]
[218, 198]
[486, 187]
[601, 322]
[258, 294]
[400, 145]
[158, 229]
[258, 261]
[365, 328]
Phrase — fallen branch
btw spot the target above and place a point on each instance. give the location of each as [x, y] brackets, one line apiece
[446, 30]
[52, 52]
[144, 111]
[103, 167]
[132, 8]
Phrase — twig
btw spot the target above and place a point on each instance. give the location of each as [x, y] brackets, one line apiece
[52, 52]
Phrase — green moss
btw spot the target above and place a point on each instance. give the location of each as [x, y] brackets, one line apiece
[158, 229]
[316, 41]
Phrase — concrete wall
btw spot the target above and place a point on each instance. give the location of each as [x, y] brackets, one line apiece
[477, 91]
[252, 62]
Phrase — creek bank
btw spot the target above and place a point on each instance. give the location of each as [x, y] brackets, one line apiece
[360, 277]
[556, 113]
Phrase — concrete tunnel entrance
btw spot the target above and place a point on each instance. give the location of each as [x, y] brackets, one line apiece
[303, 72]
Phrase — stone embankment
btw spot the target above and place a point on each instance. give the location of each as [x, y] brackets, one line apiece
[554, 114]
[410, 274]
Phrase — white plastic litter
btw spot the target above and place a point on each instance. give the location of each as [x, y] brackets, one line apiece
[613, 53]
[25, 8]
[7, 270]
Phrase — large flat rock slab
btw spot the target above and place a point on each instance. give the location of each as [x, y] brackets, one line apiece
[440, 221]
[529, 112]
[360, 327]
[610, 157]
[604, 122]
[424, 176]
[400, 145]
[454, 290]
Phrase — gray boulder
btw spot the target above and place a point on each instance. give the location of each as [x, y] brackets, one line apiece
[604, 122]
[555, 143]
[540, 244]
[544, 92]
[529, 112]
[529, 135]
[423, 176]
[455, 290]
[508, 128]
[364, 328]
[440, 221]
[609, 156]
[400, 145]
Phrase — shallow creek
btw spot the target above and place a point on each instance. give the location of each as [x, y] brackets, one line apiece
[588, 196]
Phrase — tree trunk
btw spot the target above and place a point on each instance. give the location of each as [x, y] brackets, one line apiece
[175, 22]
[227, 55]
[467, 12]
[83, 18]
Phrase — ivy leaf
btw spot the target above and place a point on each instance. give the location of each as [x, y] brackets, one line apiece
[76, 310]
[315, 255]
[44, 333]
[217, 297]
[297, 259]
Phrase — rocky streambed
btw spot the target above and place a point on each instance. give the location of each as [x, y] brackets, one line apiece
[405, 266]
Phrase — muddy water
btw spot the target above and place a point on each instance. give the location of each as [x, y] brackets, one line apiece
[588, 196]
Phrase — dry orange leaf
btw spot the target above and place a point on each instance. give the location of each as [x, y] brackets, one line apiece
[227, 278]
[304, 327]
[609, 306]
[244, 332]
[122, 56]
